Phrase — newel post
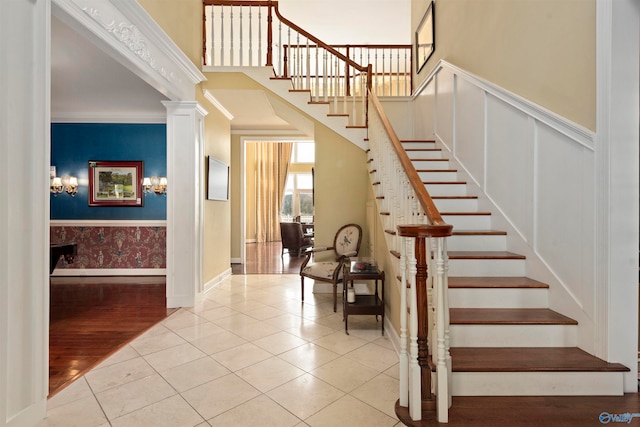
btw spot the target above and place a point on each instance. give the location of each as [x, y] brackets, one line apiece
[270, 36]
[428, 403]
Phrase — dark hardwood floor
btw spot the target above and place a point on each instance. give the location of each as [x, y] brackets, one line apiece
[93, 317]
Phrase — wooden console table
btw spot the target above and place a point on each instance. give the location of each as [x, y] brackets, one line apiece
[364, 304]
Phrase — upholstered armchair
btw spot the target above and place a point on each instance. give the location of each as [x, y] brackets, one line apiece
[293, 239]
[346, 243]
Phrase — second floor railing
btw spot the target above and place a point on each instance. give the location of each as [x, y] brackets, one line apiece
[241, 33]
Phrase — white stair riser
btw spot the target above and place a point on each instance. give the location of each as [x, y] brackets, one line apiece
[430, 164]
[513, 335]
[456, 205]
[468, 222]
[421, 155]
[418, 144]
[447, 189]
[498, 298]
[487, 267]
[537, 384]
[438, 176]
[477, 243]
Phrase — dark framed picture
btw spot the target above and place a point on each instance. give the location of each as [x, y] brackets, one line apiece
[115, 183]
[425, 38]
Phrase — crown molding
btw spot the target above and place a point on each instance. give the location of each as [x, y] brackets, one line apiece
[123, 30]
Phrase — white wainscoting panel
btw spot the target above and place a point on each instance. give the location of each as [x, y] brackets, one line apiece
[444, 108]
[509, 159]
[564, 201]
[535, 172]
[470, 126]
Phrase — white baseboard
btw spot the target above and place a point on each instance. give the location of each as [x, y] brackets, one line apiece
[215, 281]
[236, 260]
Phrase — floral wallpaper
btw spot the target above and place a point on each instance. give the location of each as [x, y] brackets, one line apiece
[114, 247]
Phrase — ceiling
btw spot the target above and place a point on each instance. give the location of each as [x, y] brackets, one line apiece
[87, 84]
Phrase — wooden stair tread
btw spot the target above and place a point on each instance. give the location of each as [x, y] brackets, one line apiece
[495, 282]
[418, 140]
[465, 213]
[436, 170]
[484, 255]
[444, 182]
[408, 150]
[479, 233]
[528, 359]
[508, 316]
[453, 197]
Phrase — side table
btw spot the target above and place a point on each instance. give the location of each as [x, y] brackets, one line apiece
[364, 304]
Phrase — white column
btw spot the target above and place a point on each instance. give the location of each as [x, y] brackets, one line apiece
[24, 211]
[617, 170]
[185, 193]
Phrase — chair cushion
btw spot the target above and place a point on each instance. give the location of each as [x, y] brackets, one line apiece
[347, 240]
[320, 270]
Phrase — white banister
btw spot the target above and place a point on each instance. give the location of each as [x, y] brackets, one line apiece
[400, 200]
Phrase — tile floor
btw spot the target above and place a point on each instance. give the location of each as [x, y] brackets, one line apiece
[249, 355]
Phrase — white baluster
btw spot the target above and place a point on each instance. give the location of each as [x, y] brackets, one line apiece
[231, 37]
[298, 71]
[260, 35]
[325, 77]
[308, 66]
[289, 53]
[404, 357]
[211, 53]
[415, 396]
[240, 48]
[441, 366]
[250, 37]
[317, 79]
[222, 36]
[398, 72]
[407, 88]
[280, 51]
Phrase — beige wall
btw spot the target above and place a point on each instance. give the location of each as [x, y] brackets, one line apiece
[182, 21]
[217, 214]
[341, 186]
[542, 50]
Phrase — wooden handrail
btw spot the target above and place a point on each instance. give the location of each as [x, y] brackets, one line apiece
[437, 227]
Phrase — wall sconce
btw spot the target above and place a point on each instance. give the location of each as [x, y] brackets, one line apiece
[66, 183]
[56, 185]
[70, 185]
[157, 184]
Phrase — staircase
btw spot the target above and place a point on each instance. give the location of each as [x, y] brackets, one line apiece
[504, 339]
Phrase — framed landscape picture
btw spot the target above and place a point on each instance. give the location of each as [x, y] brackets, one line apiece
[115, 183]
[425, 38]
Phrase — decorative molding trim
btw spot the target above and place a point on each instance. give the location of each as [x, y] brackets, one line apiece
[110, 272]
[106, 223]
[578, 133]
[129, 35]
[212, 99]
[124, 30]
[80, 117]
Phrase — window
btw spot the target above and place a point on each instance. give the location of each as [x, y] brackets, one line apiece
[298, 193]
